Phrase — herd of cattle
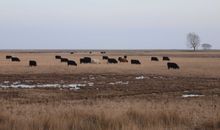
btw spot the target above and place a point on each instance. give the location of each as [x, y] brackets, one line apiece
[89, 60]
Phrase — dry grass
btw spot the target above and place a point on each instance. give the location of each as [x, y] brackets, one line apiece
[60, 110]
[192, 64]
[111, 115]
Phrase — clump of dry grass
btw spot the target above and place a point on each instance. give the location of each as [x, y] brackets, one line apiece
[110, 115]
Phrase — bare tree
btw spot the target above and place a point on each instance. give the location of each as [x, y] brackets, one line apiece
[206, 46]
[194, 40]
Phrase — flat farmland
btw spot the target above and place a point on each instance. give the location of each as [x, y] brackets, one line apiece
[123, 96]
[201, 64]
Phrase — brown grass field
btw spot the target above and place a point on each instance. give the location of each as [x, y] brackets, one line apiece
[117, 99]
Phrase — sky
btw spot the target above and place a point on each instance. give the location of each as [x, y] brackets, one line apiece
[107, 24]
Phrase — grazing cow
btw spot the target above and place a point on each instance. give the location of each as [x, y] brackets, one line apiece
[102, 52]
[64, 60]
[71, 62]
[32, 63]
[71, 52]
[85, 60]
[15, 59]
[112, 61]
[58, 57]
[96, 61]
[8, 57]
[105, 57]
[120, 59]
[165, 58]
[154, 59]
[135, 62]
[171, 65]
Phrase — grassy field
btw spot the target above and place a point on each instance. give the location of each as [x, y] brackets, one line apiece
[123, 114]
[111, 97]
[191, 63]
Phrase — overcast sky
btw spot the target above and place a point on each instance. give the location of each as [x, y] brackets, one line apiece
[107, 24]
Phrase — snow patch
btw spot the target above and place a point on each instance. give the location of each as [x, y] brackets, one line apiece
[187, 94]
[48, 85]
[140, 77]
[119, 82]
[16, 85]
[191, 95]
[17, 82]
[6, 82]
[91, 84]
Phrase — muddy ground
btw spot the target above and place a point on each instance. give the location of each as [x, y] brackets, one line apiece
[109, 86]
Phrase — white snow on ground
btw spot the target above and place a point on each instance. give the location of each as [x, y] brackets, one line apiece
[119, 82]
[73, 86]
[17, 86]
[187, 94]
[112, 83]
[20, 85]
[91, 84]
[76, 88]
[48, 85]
[191, 95]
[91, 77]
[17, 82]
[6, 82]
[140, 77]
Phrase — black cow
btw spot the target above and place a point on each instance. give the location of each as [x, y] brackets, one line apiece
[71, 62]
[112, 61]
[165, 58]
[8, 57]
[15, 59]
[171, 65]
[32, 63]
[58, 57]
[120, 59]
[135, 62]
[71, 52]
[85, 60]
[105, 57]
[64, 60]
[102, 52]
[154, 59]
[125, 57]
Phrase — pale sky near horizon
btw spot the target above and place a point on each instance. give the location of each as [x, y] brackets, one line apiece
[107, 24]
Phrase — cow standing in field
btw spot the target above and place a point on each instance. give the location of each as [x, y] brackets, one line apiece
[105, 57]
[64, 60]
[165, 58]
[58, 57]
[15, 59]
[135, 62]
[154, 59]
[102, 52]
[112, 61]
[71, 63]
[85, 60]
[171, 65]
[8, 57]
[32, 63]
[120, 59]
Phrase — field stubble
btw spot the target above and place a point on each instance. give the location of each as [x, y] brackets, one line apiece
[123, 97]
